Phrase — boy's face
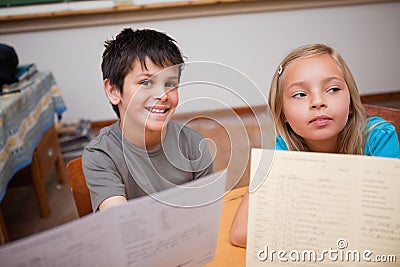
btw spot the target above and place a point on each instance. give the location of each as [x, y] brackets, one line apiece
[149, 97]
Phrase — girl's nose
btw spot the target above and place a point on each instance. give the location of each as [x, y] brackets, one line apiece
[317, 102]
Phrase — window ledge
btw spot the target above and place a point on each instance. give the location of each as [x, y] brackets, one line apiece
[86, 16]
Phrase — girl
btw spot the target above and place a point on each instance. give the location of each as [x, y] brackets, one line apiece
[316, 107]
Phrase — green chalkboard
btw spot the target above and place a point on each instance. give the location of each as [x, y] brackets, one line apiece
[10, 3]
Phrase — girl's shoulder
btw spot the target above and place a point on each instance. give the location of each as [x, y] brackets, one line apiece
[382, 138]
[377, 124]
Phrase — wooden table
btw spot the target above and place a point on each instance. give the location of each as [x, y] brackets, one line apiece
[226, 253]
[28, 140]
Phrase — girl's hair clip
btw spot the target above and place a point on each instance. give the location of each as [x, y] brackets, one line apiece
[280, 70]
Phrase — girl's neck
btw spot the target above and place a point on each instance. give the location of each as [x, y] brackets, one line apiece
[326, 146]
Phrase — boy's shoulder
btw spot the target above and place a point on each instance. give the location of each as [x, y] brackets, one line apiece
[107, 135]
[110, 137]
[182, 130]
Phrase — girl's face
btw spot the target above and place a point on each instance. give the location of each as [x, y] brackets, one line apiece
[316, 101]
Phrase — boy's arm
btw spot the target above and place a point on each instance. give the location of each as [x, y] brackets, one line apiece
[111, 202]
[238, 233]
[102, 178]
[206, 165]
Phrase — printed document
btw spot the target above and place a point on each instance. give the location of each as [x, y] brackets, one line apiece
[175, 227]
[319, 209]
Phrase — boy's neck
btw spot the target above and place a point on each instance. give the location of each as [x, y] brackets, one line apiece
[148, 140]
[153, 139]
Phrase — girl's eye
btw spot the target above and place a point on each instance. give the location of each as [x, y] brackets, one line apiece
[334, 89]
[299, 95]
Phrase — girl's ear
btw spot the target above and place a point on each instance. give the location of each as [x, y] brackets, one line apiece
[284, 118]
[112, 92]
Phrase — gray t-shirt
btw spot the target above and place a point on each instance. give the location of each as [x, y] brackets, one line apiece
[114, 167]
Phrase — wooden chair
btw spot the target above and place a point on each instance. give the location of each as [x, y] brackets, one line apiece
[392, 115]
[78, 186]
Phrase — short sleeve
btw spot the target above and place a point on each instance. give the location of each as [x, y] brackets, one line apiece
[382, 140]
[280, 144]
[204, 162]
[206, 166]
[102, 176]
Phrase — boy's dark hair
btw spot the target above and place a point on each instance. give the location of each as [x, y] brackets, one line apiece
[131, 45]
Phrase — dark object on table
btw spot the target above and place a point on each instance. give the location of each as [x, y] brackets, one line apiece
[8, 65]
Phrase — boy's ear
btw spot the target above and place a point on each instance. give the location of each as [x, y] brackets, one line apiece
[112, 92]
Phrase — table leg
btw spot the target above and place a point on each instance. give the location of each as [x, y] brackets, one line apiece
[60, 170]
[3, 229]
[40, 188]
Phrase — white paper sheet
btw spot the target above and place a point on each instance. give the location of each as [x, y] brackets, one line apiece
[142, 232]
[345, 204]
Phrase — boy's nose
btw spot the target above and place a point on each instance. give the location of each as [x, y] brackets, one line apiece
[159, 93]
[161, 96]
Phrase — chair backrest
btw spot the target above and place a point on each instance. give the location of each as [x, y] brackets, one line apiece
[78, 186]
[392, 115]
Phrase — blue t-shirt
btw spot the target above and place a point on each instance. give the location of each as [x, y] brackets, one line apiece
[382, 140]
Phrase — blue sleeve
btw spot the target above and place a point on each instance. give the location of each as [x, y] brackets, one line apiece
[280, 144]
[382, 140]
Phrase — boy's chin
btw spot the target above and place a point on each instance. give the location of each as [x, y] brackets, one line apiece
[156, 126]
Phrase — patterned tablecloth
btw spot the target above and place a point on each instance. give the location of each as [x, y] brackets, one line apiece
[24, 117]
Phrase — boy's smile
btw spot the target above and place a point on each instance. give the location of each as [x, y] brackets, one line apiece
[157, 109]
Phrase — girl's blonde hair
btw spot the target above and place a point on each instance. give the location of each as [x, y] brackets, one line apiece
[352, 137]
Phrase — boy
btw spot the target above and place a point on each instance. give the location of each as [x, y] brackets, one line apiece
[143, 152]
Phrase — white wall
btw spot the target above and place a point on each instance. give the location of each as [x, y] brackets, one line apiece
[367, 36]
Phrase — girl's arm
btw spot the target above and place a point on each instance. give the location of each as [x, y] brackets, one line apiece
[238, 233]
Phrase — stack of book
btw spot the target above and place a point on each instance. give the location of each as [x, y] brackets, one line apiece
[73, 137]
[25, 71]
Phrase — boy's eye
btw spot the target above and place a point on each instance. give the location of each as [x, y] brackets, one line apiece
[146, 83]
[299, 95]
[170, 84]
